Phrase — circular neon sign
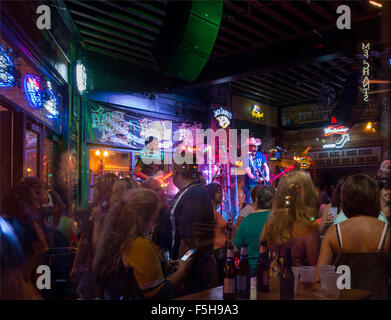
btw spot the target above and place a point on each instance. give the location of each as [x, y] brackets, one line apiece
[33, 90]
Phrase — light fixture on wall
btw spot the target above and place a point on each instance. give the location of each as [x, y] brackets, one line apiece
[81, 77]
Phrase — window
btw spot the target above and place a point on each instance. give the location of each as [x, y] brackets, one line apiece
[31, 154]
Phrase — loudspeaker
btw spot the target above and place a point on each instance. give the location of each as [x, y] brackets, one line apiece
[187, 38]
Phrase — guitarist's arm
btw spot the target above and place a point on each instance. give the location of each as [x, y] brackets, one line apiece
[137, 172]
[267, 171]
[249, 174]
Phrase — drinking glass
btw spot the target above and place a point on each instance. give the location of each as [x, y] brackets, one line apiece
[331, 283]
[296, 272]
[322, 271]
[307, 276]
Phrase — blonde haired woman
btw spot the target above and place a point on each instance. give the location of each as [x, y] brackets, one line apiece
[292, 220]
[125, 252]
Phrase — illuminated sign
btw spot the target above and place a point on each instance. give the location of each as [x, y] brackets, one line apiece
[7, 77]
[335, 130]
[305, 162]
[365, 70]
[33, 90]
[223, 117]
[81, 77]
[257, 112]
[51, 104]
[332, 130]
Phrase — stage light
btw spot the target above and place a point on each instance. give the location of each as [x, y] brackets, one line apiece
[376, 4]
[105, 153]
[369, 126]
[97, 153]
[28, 169]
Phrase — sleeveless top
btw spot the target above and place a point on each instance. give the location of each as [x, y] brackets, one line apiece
[367, 269]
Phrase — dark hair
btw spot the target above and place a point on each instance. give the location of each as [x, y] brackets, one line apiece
[265, 196]
[254, 193]
[212, 189]
[17, 200]
[336, 197]
[384, 184]
[360, 195]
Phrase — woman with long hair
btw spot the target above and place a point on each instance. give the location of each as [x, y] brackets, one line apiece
[125, 252]
[292, 220]
[91, 231]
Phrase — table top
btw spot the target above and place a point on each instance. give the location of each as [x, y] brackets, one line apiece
[316, 293]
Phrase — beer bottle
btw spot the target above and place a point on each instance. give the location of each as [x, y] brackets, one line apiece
[263, 267]
[243, 275]
[229, 291]
[287, 279]
[228, 229]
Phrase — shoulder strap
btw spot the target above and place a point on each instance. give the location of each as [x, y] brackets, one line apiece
[339, 236]
[383, 237]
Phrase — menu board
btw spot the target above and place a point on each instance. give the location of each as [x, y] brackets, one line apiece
[346, 157]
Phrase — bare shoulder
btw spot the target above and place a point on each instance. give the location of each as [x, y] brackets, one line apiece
[303, 229]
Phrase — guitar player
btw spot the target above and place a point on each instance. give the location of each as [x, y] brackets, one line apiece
[146, 171]
[257, 171]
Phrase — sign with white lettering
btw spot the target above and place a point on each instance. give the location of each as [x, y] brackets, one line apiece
[365, 70]
[113, 127]
[223, 117]
[346, 157]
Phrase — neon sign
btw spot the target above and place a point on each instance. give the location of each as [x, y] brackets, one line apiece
[305, 162]
[51, 104]
[335, 130]
[223, 117]
[332, 130]
[365, 70]
[7, 78]
[33, 90]
[256, 112]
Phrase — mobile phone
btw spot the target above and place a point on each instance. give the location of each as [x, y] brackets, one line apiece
[333, 211]
[188, 254]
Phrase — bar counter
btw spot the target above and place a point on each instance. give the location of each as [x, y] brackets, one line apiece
[316, 293]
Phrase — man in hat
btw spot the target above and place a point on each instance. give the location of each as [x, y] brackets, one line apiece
[384, 172]
[144, 169]
[257, 170]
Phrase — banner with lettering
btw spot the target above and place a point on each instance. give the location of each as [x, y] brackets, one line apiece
[114, 127]
[347, 157]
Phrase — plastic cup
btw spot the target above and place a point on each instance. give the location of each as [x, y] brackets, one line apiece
[296, 272]
[307, 276]
[331, 283]
[323, 271]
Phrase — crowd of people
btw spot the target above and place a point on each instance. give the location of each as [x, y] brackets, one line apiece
[128, 244]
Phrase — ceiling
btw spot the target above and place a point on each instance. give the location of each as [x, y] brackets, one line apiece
[249, 33]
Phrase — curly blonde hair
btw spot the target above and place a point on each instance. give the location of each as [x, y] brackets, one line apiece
[295, 201]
